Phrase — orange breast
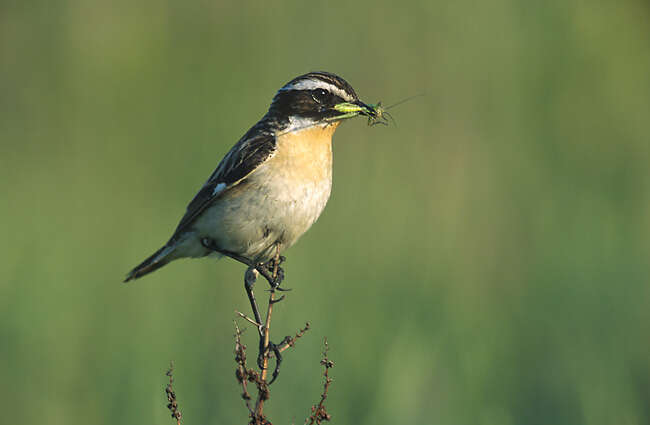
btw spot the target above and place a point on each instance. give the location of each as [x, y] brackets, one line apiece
[305, 156]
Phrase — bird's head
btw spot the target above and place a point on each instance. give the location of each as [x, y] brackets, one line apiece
[317, 98]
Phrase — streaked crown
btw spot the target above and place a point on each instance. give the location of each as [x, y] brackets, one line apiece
[323, 81]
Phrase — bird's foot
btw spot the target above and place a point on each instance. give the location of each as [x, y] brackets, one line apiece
[265, 352]
[273, 273]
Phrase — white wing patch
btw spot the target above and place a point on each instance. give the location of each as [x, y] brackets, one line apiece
[218, 188]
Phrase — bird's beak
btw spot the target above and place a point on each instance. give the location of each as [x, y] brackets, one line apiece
[353, 109]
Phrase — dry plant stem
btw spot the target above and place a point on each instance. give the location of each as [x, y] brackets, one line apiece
[290, 341]
[248, 319]
[263, 395]
[242, 372]
[318, 412]
[171, 396]
[244, 376]
[267, 332]
[266, 350]
[267, 325]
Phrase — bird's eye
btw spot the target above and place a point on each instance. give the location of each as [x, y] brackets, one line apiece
[319, 95]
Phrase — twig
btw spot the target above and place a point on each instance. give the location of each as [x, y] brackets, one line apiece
[318, 412]
[244, 376]
[171, 395]
[242, 372]
[264, 393]
[291, 341]
[267, 350]
[248, 319]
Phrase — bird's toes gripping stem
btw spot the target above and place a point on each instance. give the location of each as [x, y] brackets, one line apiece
[273, 273]
[275, 349]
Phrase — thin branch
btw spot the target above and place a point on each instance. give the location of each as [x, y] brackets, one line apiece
[318, 412]
[248, 319]
[291, 341]
[171, 395]
[264, 393]
[242, 371]
[268, 350]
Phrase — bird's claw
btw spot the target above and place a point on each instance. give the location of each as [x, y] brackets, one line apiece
[267, 269]
[260, 359]
[279, 277]
[278, 300]
[278, 360]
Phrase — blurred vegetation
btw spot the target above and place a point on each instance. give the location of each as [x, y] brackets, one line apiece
[483, 262]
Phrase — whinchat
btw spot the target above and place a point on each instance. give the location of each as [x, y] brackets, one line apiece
[273, 183]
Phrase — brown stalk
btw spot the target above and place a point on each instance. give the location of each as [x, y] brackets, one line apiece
[246, 375]
[318, 412]
[263, 393]
[171, 395]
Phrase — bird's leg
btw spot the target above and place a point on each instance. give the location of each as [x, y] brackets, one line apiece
[249, 282]
[271, 270]
[278, 357]
[274, 274]
[249, 278]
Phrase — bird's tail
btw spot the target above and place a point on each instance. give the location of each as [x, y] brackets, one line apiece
[161, 257]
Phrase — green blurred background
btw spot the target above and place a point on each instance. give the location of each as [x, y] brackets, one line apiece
[485, 261]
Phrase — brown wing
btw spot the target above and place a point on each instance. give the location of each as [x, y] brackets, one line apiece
[238, 163]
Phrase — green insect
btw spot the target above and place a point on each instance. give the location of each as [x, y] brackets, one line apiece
[376, 113]
[381, 115]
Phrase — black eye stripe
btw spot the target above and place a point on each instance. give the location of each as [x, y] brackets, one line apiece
[320, 95]
[305, 103]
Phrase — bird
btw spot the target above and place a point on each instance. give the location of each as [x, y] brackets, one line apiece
[274, 182]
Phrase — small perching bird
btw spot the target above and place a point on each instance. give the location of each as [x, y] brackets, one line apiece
[269, 188]
[273, 184]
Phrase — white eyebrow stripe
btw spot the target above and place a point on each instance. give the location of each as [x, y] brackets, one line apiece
[312, 84]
